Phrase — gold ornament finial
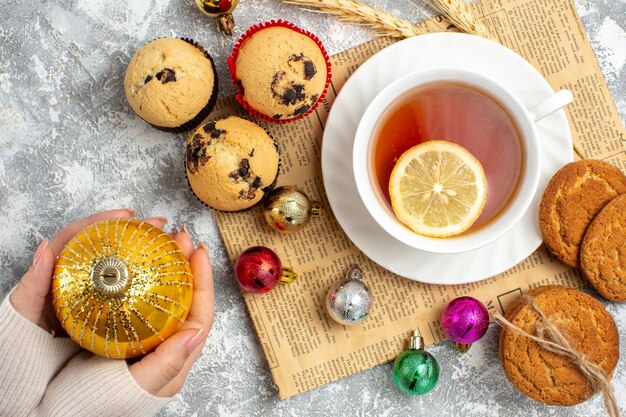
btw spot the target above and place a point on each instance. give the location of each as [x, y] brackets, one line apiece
[110, 276]
[462, 347]
[221, 10]
[288, 276]
[417, 341]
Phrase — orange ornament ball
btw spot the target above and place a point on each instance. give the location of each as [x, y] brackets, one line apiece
[121, 287]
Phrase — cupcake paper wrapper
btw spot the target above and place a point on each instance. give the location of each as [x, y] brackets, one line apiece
[232, 59]
[203, 114]
[265, 189]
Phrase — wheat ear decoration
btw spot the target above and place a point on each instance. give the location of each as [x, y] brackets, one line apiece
[356, 12]
[460, 15]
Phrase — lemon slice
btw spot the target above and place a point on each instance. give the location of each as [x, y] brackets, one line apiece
[438, 188]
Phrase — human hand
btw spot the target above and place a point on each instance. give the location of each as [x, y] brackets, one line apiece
[162, 372]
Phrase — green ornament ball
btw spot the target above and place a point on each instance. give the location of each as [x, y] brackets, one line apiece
[415, 372]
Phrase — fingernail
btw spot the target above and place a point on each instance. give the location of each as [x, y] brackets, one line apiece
[184, 229]
[161, 219]
[40, 250]
[204, 248]
[196, 340]
[132, 212]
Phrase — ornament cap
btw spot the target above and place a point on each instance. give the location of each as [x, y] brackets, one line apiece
[462, 347]
[316, 208]
[417, 341]
[226, 23]
[110, 276]
[221, 11]
[288, 276]
[355, 273]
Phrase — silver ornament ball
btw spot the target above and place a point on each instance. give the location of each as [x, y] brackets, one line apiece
[349, 302]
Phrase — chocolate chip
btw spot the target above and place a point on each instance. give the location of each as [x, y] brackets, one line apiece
[148, 78]
[244, 169]
[248, 195]
[257, 182]
[278, 76]
[243, 172]
[309, 69]
[217, 133]
[301, 110]
[251, 153]
[293, 95]
[196, 154]
[276, 81]
[209, 127]
[166, 75]
[277, 116]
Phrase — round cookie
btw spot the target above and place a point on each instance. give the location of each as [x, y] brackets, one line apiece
[573, 197]
[546, 376]
[282, 72]
[231, 163]
[171, 84]
[603, 252]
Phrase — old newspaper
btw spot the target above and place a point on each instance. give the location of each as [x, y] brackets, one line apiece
[304, 347]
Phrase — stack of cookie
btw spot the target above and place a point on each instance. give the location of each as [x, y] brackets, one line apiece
[582, 217]
[546, 376]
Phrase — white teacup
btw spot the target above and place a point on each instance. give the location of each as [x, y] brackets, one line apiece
[363, 164]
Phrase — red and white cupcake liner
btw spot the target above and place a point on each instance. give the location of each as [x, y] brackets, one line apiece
[232, 59]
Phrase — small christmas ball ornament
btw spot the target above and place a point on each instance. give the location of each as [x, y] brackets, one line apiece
[415, 371]
[349, 301]
[121, 287]
[258, 269]
[287, 209]
[221, 10]
[464, 321]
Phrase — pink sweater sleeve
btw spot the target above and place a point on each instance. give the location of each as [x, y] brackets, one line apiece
[37, 379]
[91, 385]
[29, 358]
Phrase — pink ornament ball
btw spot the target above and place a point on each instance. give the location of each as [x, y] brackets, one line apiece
[465, 320]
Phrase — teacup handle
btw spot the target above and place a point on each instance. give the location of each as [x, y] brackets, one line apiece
[554, 103]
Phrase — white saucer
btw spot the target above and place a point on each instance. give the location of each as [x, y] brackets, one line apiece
[437, 49]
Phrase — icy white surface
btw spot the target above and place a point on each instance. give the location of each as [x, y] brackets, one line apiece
[71, 146]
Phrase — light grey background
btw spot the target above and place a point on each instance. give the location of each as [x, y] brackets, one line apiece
[71, 146]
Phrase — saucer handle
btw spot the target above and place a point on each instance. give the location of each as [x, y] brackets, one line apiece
[554, 103]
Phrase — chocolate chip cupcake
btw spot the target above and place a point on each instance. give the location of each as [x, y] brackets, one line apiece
[171, 84]
[282, 72]
[231, 163]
